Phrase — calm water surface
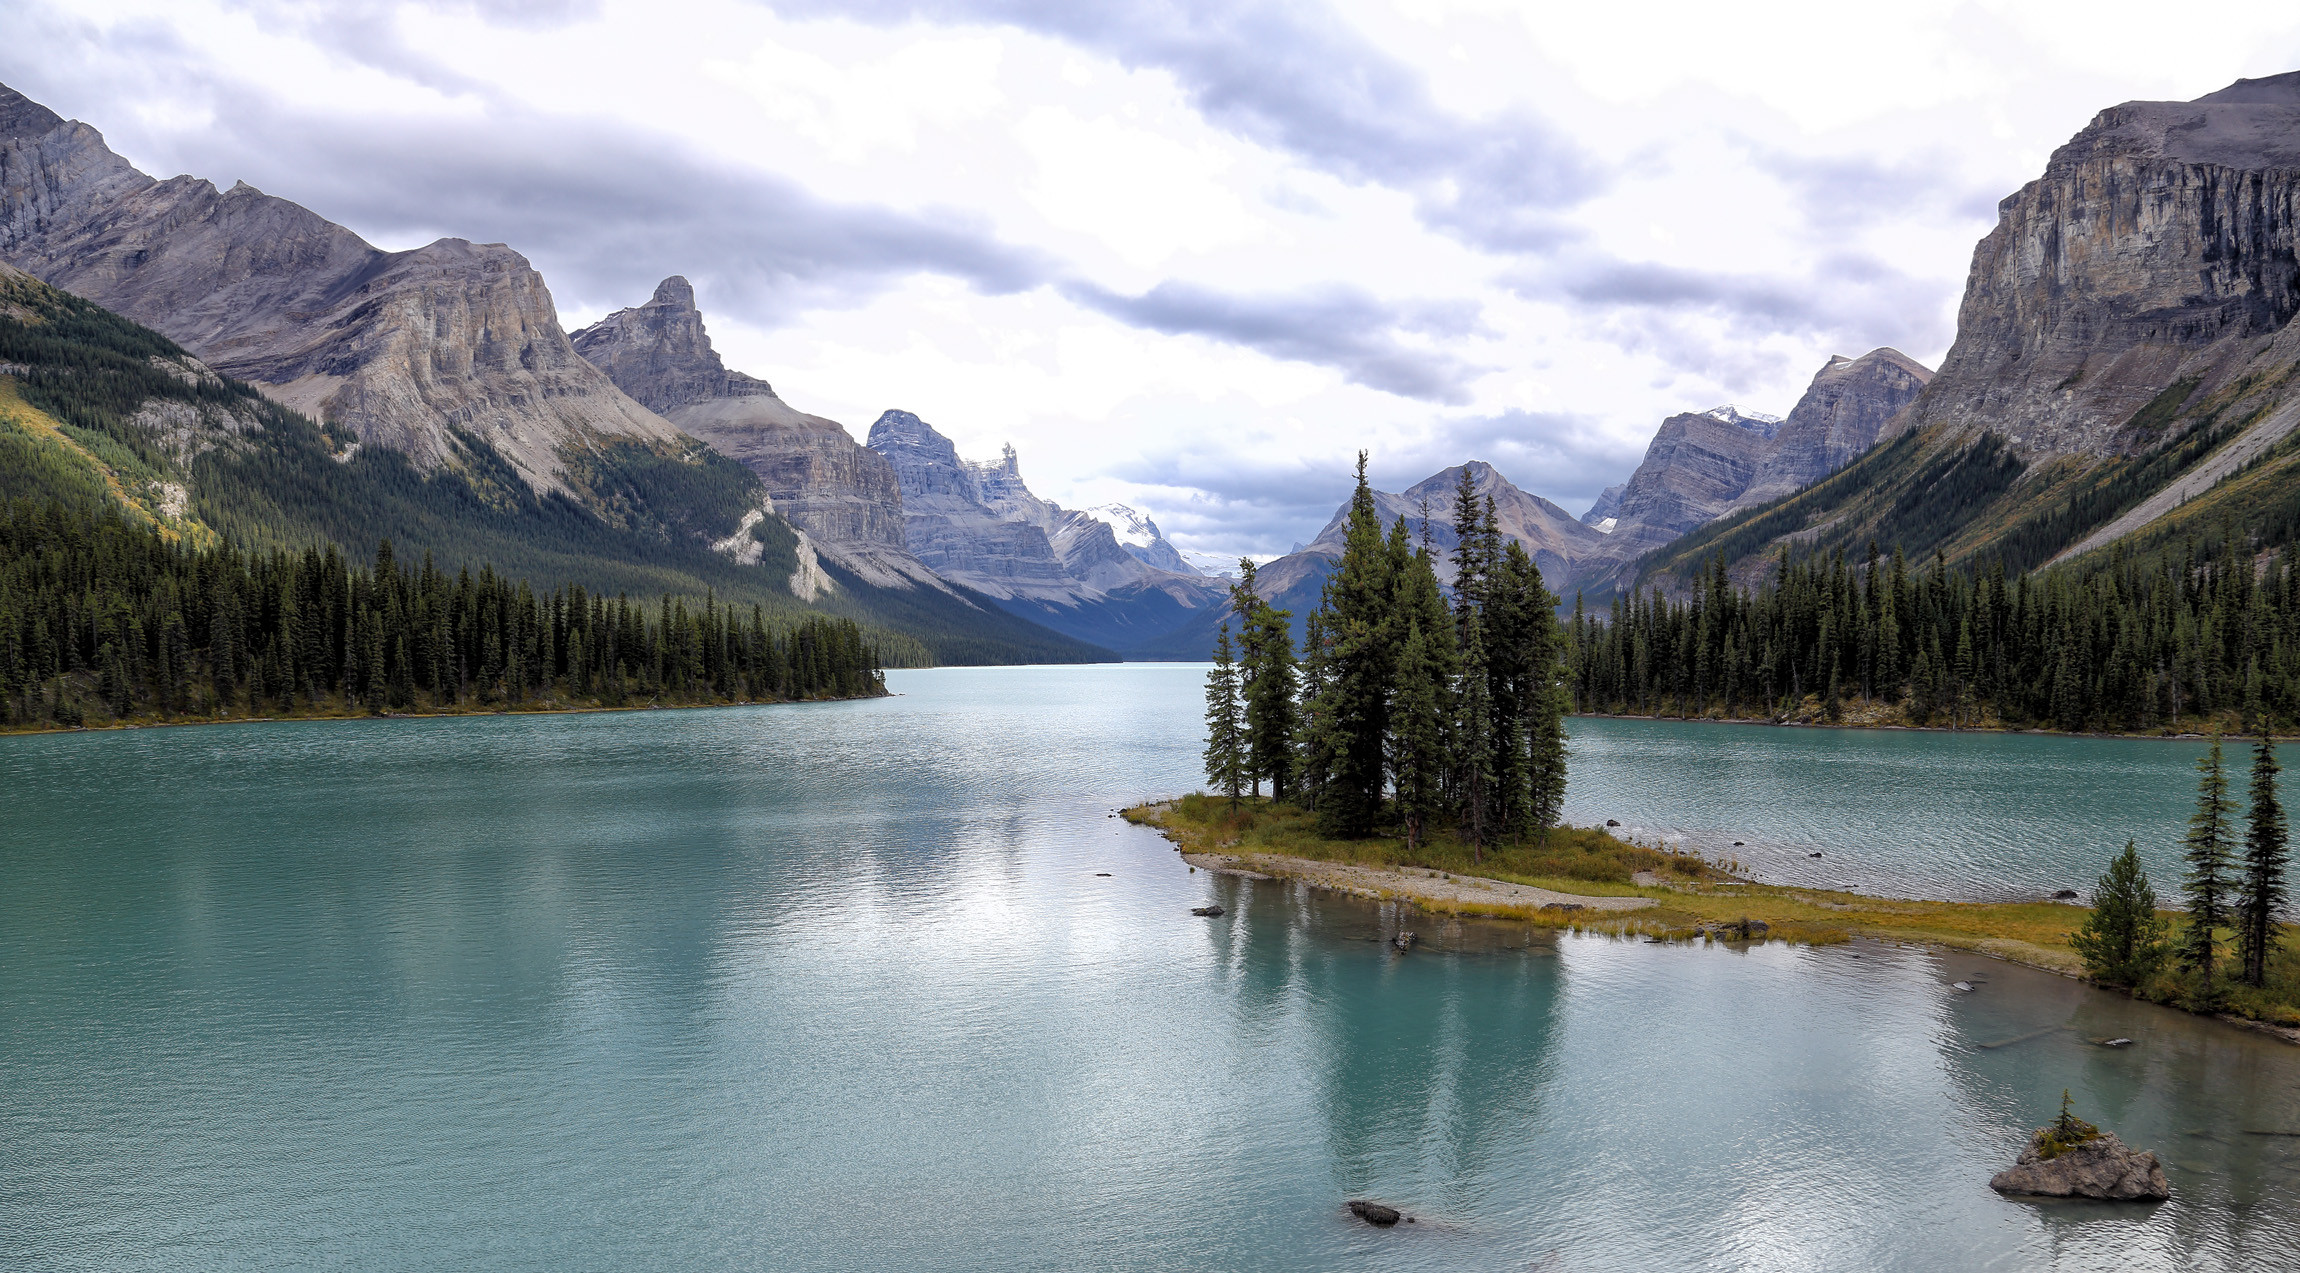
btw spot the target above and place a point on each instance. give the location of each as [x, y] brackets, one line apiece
[845, 987]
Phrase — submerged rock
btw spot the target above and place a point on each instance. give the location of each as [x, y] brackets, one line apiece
[1374, 1213]
[2101, 1167]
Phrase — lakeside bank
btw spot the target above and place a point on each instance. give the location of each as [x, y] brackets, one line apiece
[1632, 890]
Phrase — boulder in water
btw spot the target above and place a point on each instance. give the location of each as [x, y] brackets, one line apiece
[1208, 911]
[1405, 941]
[2065, 895]
[2100, 1166]
[1374, 1213]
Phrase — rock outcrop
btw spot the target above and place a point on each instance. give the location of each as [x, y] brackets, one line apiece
[425, 351]
[2101, 1167]
[843, 497]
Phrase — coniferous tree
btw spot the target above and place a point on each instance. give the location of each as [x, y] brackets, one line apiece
[1225, 754]
[1359, 629]
[1416, 742]
[1475, 744]
[1267, 685]
[2260, 896]
[2207, 884]
[2122, 942]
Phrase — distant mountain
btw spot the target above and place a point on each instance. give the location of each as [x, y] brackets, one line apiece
[1558, 543]
[1607, 510]
[1702, 465]
[2123, 370]
[1215, 565]
[1843, 412]
[979, 525]
[1140, 536]
[430, 352]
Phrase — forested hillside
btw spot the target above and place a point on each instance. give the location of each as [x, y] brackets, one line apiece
[99, 413]
[103, 619]
[2199, 634]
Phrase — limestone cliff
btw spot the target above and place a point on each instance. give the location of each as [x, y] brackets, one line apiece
[842, 496]
[980, 525]
[2125, 348]
[2158, 246]
[424, 351]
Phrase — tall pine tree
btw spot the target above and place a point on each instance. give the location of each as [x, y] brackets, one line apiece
[2260, 896]
[1225, 754]
[2206, 887]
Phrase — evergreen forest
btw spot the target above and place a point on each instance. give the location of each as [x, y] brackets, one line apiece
[104, 619]
[1406, 712]
[2204, 638]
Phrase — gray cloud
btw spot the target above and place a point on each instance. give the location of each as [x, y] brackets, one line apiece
[1340, 327]
[1851, 300]
[607, 214]
[1837, 193]
[1267, 507]
[1297, 78]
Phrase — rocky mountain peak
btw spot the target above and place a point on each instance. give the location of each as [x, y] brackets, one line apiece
[660, 354]
[20, 116]
[2158, 245]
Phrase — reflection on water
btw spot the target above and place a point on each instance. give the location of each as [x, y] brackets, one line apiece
[1904, 813]
[844, 987]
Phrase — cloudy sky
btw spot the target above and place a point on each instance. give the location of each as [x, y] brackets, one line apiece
[1186, 254]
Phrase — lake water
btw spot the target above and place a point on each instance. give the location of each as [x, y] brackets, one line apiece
[845, 986]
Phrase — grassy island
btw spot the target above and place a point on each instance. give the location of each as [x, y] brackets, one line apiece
[1591, 873]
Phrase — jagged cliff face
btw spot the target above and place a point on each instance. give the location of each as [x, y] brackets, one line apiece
[1698, 463]
[423, 352]
[2158, 245]
[980, 525]
[660, 354]
[949, 521]
[845, 498]
[1841, 415]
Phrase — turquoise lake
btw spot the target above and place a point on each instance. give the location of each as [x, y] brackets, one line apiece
[846, 987]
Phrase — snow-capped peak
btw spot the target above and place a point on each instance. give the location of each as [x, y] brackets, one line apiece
[1132, 528]
[1730, 414]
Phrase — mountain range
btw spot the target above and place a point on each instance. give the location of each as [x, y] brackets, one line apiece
[2123, 373]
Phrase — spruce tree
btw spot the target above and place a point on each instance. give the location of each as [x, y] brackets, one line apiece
[1360, 629]
[1474, 742]
[2122, 942]
[1225, 724]
[2207, 884]
[1267, 685]
[1416, 742]
[2261, 895]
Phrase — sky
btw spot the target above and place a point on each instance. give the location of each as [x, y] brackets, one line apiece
[1187, 255]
